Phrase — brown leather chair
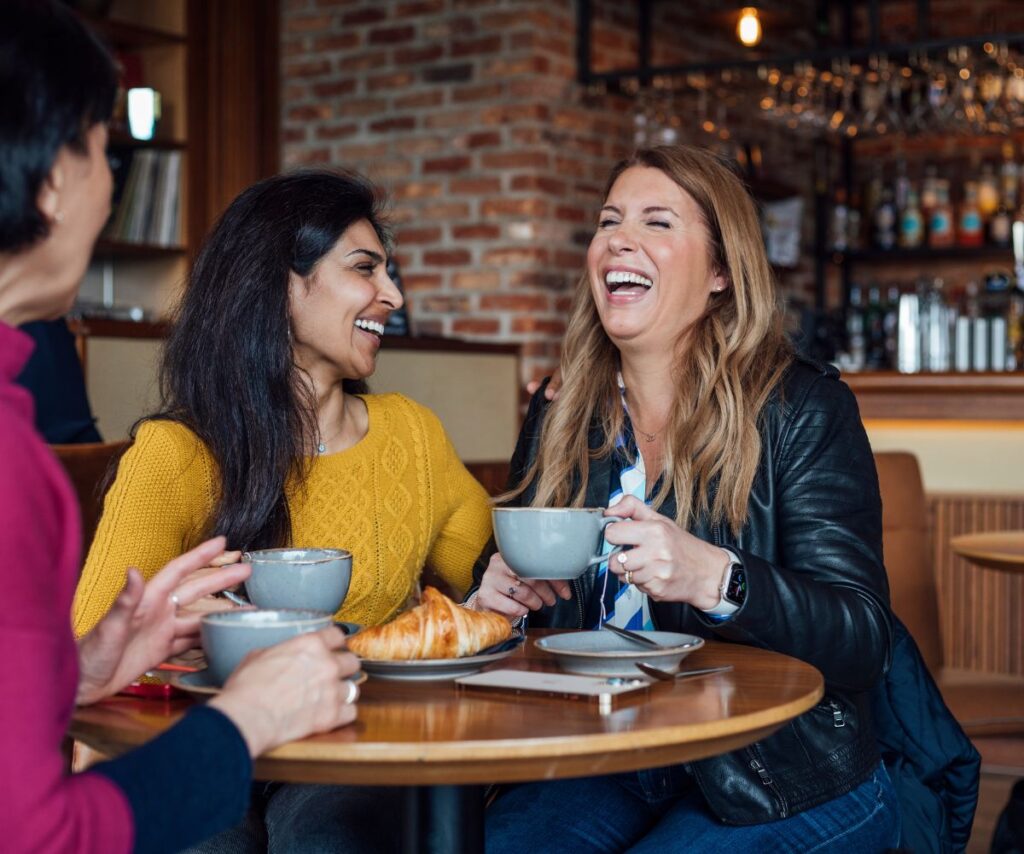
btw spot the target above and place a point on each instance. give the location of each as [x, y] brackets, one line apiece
[986, 704]
[87, 466]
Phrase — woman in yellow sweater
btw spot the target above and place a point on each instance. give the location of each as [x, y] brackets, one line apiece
[266, 433]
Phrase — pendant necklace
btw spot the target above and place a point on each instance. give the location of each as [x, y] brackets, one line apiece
[321, 447]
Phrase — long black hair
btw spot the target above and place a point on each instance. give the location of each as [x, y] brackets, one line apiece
[228, 372]
[56, 81]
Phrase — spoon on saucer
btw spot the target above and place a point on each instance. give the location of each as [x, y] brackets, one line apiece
[666, 676]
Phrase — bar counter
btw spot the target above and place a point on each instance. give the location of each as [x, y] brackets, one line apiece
[989, 396]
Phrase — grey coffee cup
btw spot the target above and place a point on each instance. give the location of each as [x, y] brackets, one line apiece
[315, 579]
[228, 636]
[551, 542]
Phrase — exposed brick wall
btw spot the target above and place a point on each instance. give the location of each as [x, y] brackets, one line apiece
[468, 113]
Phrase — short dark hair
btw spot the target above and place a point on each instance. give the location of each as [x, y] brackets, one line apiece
[56, 81]
[227, 371]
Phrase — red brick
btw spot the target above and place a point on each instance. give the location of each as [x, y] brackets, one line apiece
[543, 183]
[369, 15]
[306, 24]
[474, 186]
[421, 281]
[446, 304]
[458, 73]
[362, 107]
[515, 160]
[515, 302]
[514, 207]
[476, 47]
[484, 139]
[336, 131]
[294, 135]
[569, 260]
[475, 326]
[446, 164]
[419, 145]
[447, 257]
[540, 279]
[390, 169]
[563, 304]
[418, 190]
[334, 88]
[448, 28]
[419, 55]
[476, 231]
[512, 113]
[336, 42]
[355, 152]
[392, 35]
[396, 123]
[418, 8]
[515, 255]
[538, 324]
[508, 67]
[310, 68]
[477, 280]
[445, 211]
[433, 328]
[537, 88]
[486, 92]
[430, 98]
[309, 113]
[395, 80]
[431, 234]
[311, 157]
[451, 119]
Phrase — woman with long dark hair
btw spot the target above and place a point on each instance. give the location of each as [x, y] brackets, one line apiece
[753, 516]
[266, 433]
[58, 85]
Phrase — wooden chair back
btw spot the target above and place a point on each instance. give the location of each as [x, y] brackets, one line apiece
[87, 466]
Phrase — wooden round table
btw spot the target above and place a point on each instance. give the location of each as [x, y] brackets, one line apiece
[1002, 550]
[446, 741]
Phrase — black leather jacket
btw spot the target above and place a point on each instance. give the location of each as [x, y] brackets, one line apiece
[816, 590]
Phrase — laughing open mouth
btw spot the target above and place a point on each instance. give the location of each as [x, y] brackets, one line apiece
[371, 326]
[617, 280]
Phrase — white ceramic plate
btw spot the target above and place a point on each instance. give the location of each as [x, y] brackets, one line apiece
[201, 683]
[602, 653]
[439, 669]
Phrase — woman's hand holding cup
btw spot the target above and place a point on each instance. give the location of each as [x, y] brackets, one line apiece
[291, 690]
[505, 593]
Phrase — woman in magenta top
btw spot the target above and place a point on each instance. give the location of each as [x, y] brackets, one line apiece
[58, 87]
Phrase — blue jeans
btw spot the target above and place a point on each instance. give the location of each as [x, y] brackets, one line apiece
[655, 812]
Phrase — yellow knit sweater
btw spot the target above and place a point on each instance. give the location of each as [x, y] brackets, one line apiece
[399, 499]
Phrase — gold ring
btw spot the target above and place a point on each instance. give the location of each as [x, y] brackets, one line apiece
[629, 576]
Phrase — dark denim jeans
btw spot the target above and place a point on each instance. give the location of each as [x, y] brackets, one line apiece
[657, 811]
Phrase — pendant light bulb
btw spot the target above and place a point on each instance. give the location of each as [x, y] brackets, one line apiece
[749, 28]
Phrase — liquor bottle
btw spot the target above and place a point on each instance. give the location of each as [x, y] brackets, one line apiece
[988, 192]
[999, 226]
[885, 221]
[873, 195]
[854, 241]
[929, 194]
[970, 231]
[911, 222]
[1009, 174]
[839, 237]
[935, 329]
[901, 185]
[940, 220]
[856, 345]
[890, 324]
[874, 331]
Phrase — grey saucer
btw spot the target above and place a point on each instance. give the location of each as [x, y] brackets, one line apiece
[597, 653]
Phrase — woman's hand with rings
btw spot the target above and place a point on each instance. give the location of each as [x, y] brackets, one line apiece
[666, 562]
[505, 593]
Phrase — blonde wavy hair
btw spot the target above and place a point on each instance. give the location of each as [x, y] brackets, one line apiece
[734, 356]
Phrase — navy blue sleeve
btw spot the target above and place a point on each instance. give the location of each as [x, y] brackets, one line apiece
[187, 784]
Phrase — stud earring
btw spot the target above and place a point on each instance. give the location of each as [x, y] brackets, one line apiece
[58, 217]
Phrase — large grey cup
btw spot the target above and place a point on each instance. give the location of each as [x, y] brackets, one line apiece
[228, 636]
[315, 579]
[551, 542]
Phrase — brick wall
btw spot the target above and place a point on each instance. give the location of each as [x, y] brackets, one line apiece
[468, 113]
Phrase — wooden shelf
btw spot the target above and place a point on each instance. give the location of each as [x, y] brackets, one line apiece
[119, 249]
[106, 327]
[925, 253]
[989, 396]
[120, 139]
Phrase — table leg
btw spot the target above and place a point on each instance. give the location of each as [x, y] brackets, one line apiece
[444, 820]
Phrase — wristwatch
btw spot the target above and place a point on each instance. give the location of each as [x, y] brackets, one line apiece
[733, 591]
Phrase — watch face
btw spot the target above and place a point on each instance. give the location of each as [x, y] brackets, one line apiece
[736, 592]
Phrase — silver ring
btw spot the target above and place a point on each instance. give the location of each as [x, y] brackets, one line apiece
[621, 558]
[353, 693]
[512, 591]
[175, 601]
[629, 576]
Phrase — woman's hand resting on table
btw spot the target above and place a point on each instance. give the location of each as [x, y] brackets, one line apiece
[148, 623]
[291, 690]
[505, 593]
[666, 562]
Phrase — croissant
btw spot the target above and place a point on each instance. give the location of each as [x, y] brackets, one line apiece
[436, 628]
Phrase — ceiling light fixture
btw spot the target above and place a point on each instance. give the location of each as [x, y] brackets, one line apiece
[748, 30]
